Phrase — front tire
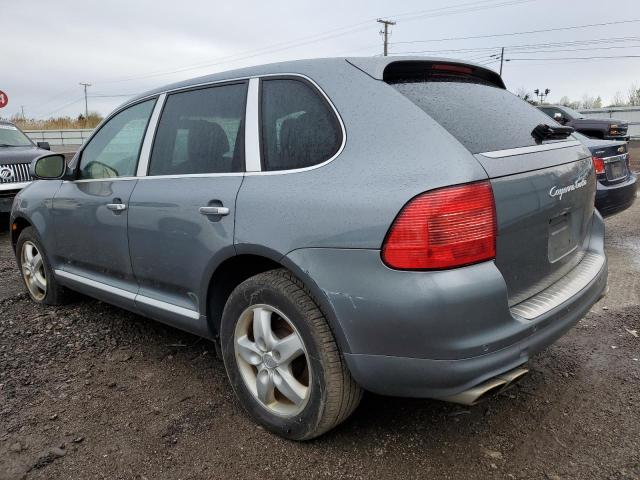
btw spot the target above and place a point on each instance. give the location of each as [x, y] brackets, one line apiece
[36, 270]
[282, 359]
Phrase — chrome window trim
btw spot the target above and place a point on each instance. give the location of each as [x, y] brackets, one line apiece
[252, 137]
[252, 158]
[191, 175]
[109, 179]
[135, 297]
[509, 152]
[147, 142]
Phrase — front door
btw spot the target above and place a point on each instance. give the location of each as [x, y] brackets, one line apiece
[91, 212]
[181, 215]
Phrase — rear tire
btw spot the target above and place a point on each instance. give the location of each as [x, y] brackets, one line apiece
[261, 374]
[36, 271]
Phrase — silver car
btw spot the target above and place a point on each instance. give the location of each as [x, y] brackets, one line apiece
[400, 225]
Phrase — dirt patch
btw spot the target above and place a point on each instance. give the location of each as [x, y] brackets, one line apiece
[91, 391]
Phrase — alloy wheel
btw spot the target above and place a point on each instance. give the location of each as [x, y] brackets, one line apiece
[33, 270]
[272, 360]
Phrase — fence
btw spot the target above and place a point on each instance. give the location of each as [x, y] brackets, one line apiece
[71, 137]
[627, 114]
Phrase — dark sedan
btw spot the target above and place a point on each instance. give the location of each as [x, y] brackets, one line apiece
[16, 153]
[616, 183]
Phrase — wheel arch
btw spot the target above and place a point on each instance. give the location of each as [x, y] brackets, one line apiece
[251, 260]
[17, 226]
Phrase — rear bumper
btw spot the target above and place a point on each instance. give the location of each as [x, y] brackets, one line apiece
[433, 334]
[612, 199]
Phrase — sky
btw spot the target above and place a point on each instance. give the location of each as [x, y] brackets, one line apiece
[125, 47]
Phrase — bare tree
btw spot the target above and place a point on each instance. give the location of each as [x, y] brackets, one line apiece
[618, 100]
[587, 101]
[634, 95]
[523, 94]
[598, 102]
[566, 101]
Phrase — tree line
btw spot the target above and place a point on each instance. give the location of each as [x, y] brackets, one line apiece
[629, 99]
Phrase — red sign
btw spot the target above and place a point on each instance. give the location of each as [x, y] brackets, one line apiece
[3, 99]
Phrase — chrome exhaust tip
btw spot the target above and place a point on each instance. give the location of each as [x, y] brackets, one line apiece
[489, 388]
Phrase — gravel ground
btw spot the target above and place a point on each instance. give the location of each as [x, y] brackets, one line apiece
[90, 391]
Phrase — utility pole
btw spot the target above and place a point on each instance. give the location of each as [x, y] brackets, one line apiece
[86, 105]
[385, 33]
[22, 109]
[501, 60]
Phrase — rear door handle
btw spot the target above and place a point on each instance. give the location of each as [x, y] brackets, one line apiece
[214, 210]
[117, 207]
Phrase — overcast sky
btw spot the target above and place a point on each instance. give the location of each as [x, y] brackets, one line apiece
[125, 47]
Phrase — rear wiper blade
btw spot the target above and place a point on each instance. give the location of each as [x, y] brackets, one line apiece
[7, 145]
[547, 132]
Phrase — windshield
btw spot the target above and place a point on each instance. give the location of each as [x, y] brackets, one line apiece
[572, 112]
[10, 136]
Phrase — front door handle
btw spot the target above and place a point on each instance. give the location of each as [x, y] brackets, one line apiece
[117, 207]
[214, 210]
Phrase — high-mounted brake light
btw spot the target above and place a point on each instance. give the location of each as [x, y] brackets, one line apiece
[445, 228]
[452, 68]
[598, 165]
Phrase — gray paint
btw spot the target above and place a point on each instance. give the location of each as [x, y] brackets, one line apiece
[327, 225]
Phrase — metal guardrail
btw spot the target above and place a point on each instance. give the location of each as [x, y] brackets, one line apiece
[71, 137]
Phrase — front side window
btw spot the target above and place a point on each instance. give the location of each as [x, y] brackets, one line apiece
[298, 128]
[114, 150]
[200, 131]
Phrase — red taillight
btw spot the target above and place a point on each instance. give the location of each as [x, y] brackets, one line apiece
[444, 228]
[598, 165]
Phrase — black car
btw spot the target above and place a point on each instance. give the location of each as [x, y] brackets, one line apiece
[616, 183]
[16, 153]
[602, 128]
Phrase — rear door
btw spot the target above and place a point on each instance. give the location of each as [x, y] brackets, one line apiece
[181, 214]
[544, 191]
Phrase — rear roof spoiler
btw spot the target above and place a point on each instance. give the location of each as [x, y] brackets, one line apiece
[389, 69]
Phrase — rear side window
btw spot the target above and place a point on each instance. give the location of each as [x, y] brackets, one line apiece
[483, 118]
[200, 131]
[298, 127]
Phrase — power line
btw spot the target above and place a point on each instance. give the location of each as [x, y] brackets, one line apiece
[574, 27]
[570, 58]
[334, 33]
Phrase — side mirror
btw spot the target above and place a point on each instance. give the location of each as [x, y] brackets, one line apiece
[51, 166]
[44, 145]
[559, 118]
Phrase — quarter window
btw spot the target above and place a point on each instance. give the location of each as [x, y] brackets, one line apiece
[114, 150]
[298, 128]
[200, 131]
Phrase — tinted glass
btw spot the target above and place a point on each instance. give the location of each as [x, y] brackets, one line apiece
[200, 131]
[10, 136]
[483, 118]
[298, 127]
[114, 149]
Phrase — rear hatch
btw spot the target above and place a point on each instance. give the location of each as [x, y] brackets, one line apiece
[544, 190]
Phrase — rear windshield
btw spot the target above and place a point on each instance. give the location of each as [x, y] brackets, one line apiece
[483, 118]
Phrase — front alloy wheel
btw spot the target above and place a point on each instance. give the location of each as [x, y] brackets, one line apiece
[33, 271]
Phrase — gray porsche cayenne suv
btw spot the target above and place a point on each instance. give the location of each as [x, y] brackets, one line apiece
[404, 226]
